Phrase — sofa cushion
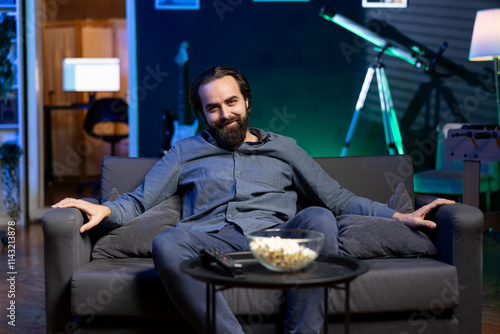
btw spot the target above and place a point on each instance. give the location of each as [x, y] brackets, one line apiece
[131, 287]
[135, 238]
[401, 200]
[366, 237]
[401, 285]
[125, 287]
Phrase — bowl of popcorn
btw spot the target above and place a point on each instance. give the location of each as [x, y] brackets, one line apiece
[285, 250]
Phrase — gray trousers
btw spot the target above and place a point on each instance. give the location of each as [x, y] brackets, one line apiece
[173, 246]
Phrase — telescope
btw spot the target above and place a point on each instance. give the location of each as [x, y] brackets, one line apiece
[363, 32]
[393, 139]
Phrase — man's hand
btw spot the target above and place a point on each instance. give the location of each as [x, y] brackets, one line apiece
[417, 218]
[95, 212]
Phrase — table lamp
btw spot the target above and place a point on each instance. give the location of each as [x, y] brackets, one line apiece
[485, 44]
[91, 75]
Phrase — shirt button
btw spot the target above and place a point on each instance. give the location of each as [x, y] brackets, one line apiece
[230, 216]
[237, 172]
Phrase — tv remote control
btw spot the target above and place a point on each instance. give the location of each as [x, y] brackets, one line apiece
[211, 255]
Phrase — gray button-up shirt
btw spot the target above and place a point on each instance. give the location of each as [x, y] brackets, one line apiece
[255, 187]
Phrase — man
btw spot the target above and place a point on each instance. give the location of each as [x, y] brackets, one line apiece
[235, 180]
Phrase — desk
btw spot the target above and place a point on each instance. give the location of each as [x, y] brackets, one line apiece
[473, 145]
[325, 272]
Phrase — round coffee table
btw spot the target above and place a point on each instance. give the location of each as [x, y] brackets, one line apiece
[326, 272]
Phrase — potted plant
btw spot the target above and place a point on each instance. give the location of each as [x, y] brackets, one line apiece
[10, 153]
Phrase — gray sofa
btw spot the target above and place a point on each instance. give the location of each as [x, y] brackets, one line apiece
[400, 295]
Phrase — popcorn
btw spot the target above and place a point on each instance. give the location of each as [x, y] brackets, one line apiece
[282, 254]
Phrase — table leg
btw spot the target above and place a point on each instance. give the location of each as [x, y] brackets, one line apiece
[213, 308]
[209, 304]
[325, 316]
[347, 309]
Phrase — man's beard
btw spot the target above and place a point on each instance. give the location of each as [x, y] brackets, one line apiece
[231, 136]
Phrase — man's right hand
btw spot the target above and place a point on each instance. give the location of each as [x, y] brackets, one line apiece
[95, 212]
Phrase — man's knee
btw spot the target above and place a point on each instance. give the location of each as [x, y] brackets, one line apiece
[322, 220]
[318, 216]
[165, 239]
[169, 248]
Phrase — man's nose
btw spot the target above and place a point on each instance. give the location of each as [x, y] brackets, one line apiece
[224, 113]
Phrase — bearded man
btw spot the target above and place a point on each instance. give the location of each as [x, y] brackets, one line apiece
[234, 180]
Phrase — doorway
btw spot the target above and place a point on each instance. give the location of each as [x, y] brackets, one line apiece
[86, 29]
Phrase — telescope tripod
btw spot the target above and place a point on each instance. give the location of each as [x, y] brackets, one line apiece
[393, 140]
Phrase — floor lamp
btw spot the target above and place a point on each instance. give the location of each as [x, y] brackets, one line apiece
[485, 44]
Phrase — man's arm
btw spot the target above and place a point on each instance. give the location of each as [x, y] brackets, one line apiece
[312, 179]
[417, 218]
[95, 212]
[159, 184]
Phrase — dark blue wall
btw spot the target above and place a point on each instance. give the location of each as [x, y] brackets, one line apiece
[306, 72]
[289, 54]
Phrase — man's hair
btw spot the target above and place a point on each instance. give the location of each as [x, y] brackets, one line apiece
[213, 74]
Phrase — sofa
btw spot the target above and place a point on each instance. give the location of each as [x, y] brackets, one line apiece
[410, 294]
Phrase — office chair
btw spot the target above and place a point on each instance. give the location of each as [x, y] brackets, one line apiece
[103, 121]
[103, 117]
[447, 177]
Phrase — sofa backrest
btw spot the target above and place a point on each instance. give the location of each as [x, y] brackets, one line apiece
[374, 177]
[124, 173]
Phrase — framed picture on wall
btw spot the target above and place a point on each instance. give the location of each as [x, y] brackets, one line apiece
[385, 3]
[177, 4]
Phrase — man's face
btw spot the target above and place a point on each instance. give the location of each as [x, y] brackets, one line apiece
[225, 110]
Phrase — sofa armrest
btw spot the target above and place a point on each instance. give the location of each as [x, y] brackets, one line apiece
[459, 232]
[66, 250]
[459, 240]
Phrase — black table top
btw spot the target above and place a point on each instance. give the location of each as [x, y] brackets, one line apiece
[325, 271]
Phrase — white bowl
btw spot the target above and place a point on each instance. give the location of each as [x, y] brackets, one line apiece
[285, 250]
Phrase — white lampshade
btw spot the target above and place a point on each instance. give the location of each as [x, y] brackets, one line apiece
[485, 44]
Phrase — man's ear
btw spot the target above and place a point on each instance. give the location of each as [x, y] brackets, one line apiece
[246, 102]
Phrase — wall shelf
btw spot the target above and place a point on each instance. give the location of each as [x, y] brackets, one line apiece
[9, 126]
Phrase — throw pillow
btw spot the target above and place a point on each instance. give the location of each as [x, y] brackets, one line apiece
[135, 238]
[367, 237]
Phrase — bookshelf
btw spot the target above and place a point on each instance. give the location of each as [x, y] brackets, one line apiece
[11, 97]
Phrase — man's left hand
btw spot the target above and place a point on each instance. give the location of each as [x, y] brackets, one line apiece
[417, 218]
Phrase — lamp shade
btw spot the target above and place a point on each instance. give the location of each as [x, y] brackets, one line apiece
[485, 44]
[91, 74]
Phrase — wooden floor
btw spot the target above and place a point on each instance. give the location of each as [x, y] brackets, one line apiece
[29, 283]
